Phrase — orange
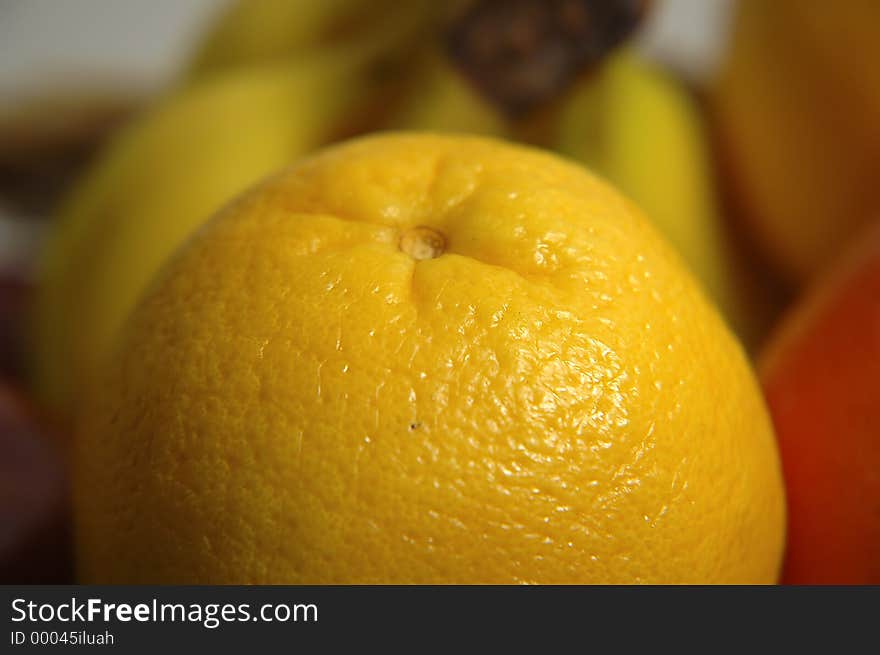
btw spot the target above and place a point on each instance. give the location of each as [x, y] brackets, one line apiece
[426, 359]
[820, 377]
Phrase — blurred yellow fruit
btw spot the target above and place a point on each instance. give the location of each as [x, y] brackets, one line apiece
[258, 31]
[170, 170]
[442, 100]
[428, 359]
[797, 102]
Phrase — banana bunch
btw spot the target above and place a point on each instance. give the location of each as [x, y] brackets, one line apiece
[276, 79]
[260, 31]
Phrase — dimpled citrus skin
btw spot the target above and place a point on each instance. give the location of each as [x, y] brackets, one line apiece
[550, 400]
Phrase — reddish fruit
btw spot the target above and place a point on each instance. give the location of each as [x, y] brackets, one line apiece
[821, 376]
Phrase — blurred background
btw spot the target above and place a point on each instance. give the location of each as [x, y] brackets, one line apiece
[739, 130]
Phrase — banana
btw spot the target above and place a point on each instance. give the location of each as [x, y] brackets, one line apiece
[442, 100]
[167, 172]
[439, 97]
[259, 31]
[639, 128]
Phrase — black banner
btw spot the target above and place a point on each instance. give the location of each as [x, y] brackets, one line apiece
[330, 619]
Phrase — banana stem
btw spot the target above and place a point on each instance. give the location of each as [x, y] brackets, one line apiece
[520, 54]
